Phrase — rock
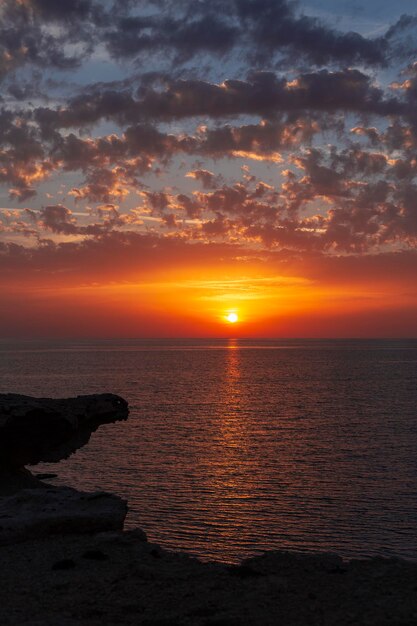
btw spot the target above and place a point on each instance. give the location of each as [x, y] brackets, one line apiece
[243, 571]
[65, 564]
[37, 513]
[34, 430]
[46, 476]
[13, 480]
[95, 555]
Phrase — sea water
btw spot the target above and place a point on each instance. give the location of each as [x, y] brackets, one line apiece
[234, 447]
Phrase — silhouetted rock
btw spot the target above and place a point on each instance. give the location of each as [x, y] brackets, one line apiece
[95, 555]
[65, 564]
[37, 513]
[46, 476]
[16, 479]
[34, 430]
[47, 581]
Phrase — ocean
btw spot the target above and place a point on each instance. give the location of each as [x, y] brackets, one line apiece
[235, 447]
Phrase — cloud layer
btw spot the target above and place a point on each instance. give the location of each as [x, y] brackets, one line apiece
[171, 132]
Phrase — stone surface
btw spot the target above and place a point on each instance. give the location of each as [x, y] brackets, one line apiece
[50, 582]
[42, 429]
[33, 430]
[35, 513]
[15, 479]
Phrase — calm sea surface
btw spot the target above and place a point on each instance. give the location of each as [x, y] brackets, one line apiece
[236, 447]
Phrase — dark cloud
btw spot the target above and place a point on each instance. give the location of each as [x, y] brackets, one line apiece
[94, 257]
[339, 142]
[60, 220]
[257, 28]
[274, 25]
[262, 94]
[182, 38]
[24, 40]
[51, 11]
[56, 218]
[41, 33]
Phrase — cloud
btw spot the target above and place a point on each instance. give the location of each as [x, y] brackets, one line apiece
[63, 35]
[144, 256]
[263, 94]
[93, 258]
[332, 144]
[207, 179]
[273, 25]
[56, 218]
[183, 38]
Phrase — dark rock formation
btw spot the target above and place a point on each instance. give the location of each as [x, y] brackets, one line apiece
[13, 480]
[37, 513]
[33, 430]
[51, 582]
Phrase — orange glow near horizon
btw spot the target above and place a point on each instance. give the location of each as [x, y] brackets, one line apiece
[204, 303]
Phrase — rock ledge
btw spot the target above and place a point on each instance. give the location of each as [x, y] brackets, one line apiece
[35, 430]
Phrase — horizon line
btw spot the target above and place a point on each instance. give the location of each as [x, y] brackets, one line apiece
[186, 338]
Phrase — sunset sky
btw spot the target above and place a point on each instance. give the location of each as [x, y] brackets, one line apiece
[166, 163]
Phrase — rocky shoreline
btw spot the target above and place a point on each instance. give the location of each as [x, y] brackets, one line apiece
[66, 561]
[119, 578]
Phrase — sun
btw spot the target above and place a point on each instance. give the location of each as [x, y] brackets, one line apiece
[232, 318]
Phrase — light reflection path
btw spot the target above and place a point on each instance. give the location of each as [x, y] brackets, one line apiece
[237, 447]
[233, 472]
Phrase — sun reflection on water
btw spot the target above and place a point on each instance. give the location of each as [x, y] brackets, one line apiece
[234, 448]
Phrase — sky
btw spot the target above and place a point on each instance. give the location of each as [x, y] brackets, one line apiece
[165, 163]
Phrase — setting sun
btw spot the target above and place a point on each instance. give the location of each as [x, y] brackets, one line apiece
[232, 318]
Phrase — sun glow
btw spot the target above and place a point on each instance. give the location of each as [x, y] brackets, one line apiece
[232, 318]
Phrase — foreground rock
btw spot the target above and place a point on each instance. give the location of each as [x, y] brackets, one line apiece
[14, 480]
[118, 578]
[42, 429]
[34, 430]
[35, 513]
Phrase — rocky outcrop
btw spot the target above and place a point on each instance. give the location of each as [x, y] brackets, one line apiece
[37, 513]
[34, 430]
[13, 480]
[118, 578]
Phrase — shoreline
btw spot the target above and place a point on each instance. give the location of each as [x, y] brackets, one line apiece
[66, 560]
[118, 577]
